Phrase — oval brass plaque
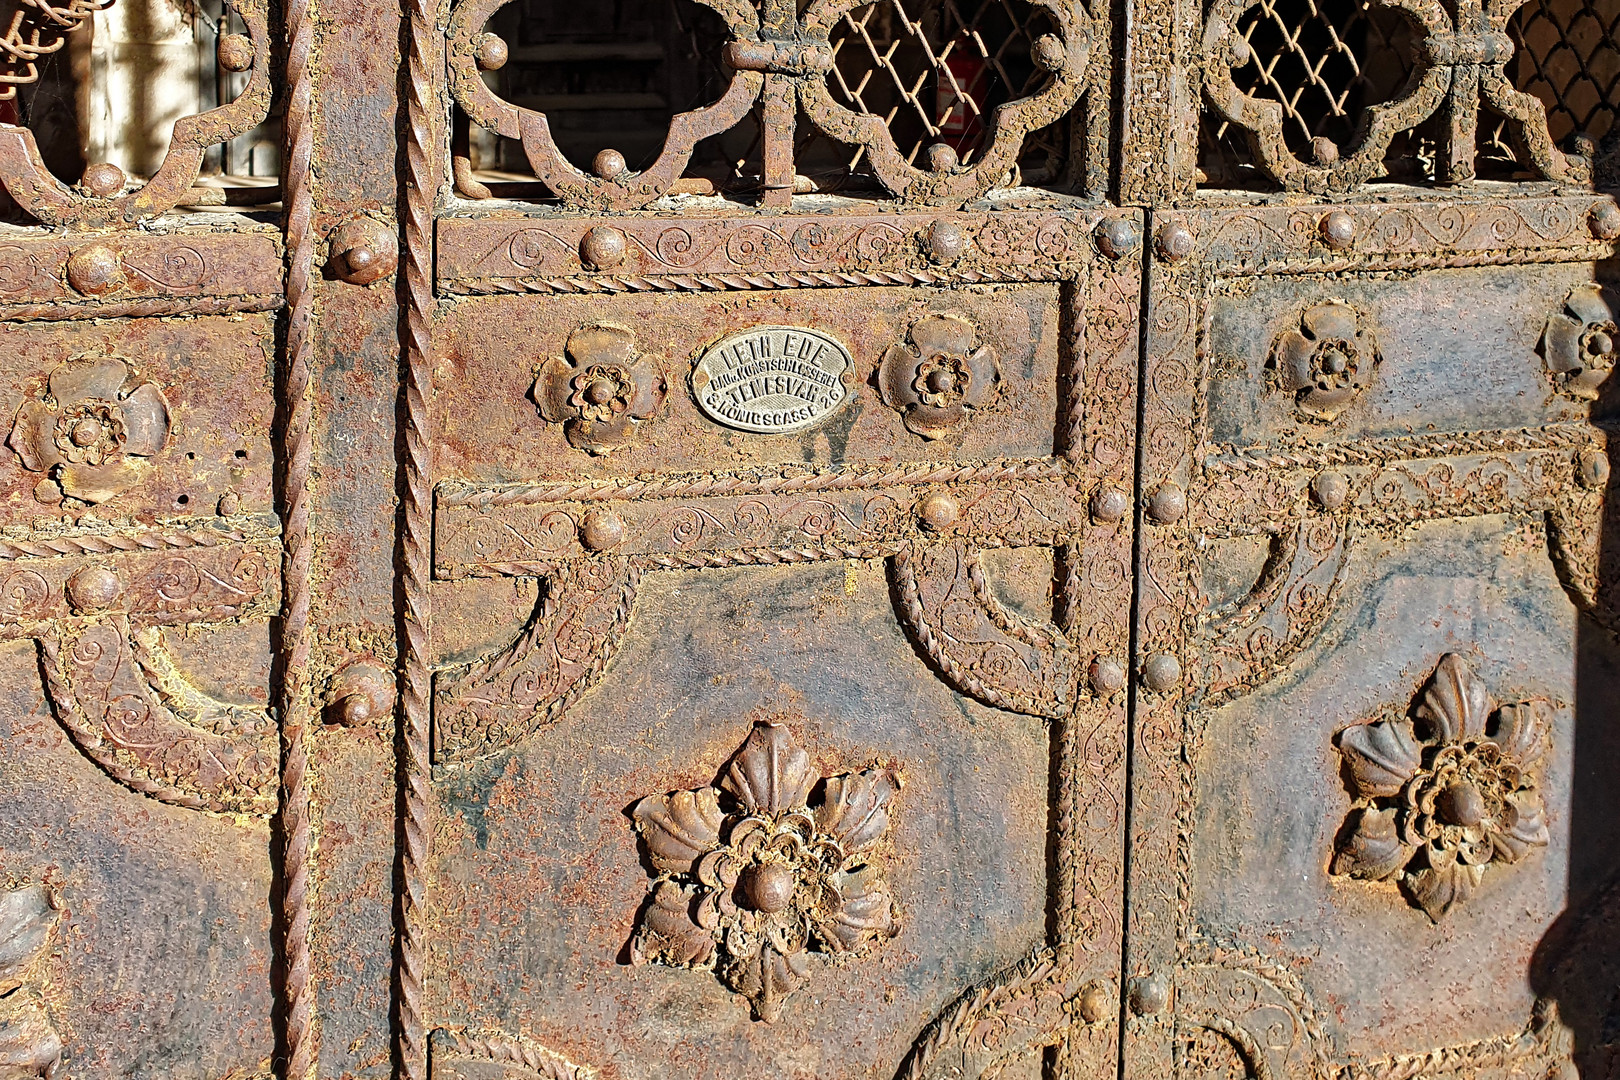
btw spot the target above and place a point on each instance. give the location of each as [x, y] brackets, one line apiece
[771, 379]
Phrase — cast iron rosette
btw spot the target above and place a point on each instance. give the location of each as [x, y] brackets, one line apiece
[601, 390]
[939, 375]
[1328, 361]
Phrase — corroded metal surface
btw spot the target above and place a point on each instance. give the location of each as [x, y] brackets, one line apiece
[1161, 625]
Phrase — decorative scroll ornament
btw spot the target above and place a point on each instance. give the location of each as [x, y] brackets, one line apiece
[29, 1042]
[1462, 57]
[938, 376]
[1579, 342]
[1328, 361]
[92, 432]
[1448, 795]
[101, 202]
[600, 391]
[752, 879]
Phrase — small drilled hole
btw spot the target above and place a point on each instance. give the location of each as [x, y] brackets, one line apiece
[241, 455]
[182, 500]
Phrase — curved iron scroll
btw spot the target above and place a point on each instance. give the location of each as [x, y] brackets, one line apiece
[118, 693]
[1283, 613]
[977, 645]
[1019, 1012]
[25, 176]
[576, 627]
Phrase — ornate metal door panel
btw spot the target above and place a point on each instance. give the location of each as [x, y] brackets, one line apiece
[798, 748]
[1361, 842]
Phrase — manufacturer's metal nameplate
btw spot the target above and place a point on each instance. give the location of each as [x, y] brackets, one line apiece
[772, 379]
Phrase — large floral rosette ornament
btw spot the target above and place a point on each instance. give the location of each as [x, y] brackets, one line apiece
[1447, 793]
[938, 376]
[93, 432]
[767, 868]
[601, 390]
[1579, 343]
[1328, 361]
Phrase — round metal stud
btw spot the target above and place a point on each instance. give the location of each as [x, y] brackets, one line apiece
[364, 250]
[1324, 151]
[48, 491]
[102, 179]
[601, 529]
[1096, 1001]
[938, 510]
[95, 270]
[1175, 242]
[946, 242]
[229, 503]
[609, 165]
[1604, 220]
[1592, 467]
[235, 52]
[768, 887]
[941, 157]
[603, 248]
[1048, 53]
[1338, 230]
[1167, 503]
[1117, 237]
[1107, 676]
[1461, 804]
[1241, 53]
[1161, 672]
[490, 52]
[1149, 994]
[95, 588]
[1109, 504]
[1330, 489]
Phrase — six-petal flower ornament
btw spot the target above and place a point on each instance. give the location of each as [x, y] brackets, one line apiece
[1328, 361]
[93, 431]
[600, 390]
[938, 375]
[29, 1043]
[1446, 793]
[768, 867]
[1579, 343]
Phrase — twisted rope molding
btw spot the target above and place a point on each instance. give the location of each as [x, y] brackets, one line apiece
[91, 544]
[155, 308]
[453, 493]
[803, 279]
[418, 184]
[487, 1047]
[301, 1034]
[1228, 459]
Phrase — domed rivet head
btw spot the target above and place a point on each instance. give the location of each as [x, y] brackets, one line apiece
[1241, 52]
[768, 887]
[364, 250]
[941, 157]
[1330, 489]
[351, 710]
[1175, 242]
[938, 510]
[946, 242]
[1581, 144]
[1462, 804]
[48, 491]
[603, 248]
[1107, 676]
[360, 692]
[489, 52]
[102, 179]
[1117, 237]
[95, 588]
[1605, 220]
[1161, 672]
[1048, 53]
[95, 270]
[1109, 504]
[1324, 151]
[1592, 467]
[1149, 994]
[229, 503]
[235, 52]
[1338, 230]
[1167, 503]
[1096, 1002]
[609, 165]
[601, 529]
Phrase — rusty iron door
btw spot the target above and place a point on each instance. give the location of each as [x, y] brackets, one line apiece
[1372, 817]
